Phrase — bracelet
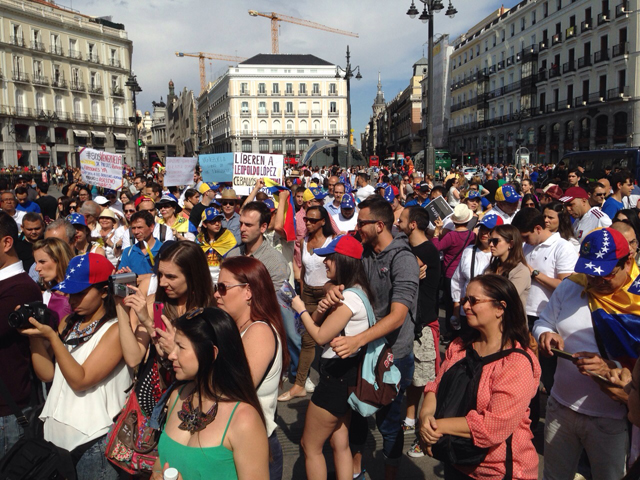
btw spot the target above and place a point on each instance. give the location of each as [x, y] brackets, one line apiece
[298, 315]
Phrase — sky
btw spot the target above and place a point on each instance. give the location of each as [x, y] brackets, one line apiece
[389, 40]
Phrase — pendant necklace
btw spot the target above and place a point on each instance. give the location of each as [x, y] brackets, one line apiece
[193, 419]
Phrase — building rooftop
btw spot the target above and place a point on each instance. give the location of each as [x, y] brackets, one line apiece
[284, 59]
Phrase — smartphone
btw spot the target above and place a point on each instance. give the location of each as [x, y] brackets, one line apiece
[563, 354]
[158, 310]
[604, 379]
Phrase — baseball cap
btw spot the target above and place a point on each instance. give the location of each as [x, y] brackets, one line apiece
[84, 271]
[100, 200]
[269, 203]
[206, 186]
[210, 214]
[473, 194]
[143, 198]
[307, 195]
[507, 193]
[318, 194]
[491, 220]
[348, 201]
[600, 251]
[574, 192]
[382, 185]
[343, 244]
[424, 187]
[554, 191]
[77, 219]
[388, 194]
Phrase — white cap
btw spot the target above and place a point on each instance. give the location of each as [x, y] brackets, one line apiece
[100, 200]
[171, 474]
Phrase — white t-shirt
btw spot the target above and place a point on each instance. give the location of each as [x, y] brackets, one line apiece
[462, 275]
[364, 192]
[358, 323]
[568, 314]
[552, 257]
[345, 224]
[506, 218]
[594, 218]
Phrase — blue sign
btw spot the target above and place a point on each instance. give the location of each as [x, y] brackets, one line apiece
[216, 167]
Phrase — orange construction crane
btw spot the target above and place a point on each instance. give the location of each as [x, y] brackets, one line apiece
[278, 17]
[212, 56]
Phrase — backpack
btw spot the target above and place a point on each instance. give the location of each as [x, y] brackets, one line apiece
[456, 396]
[378, 379]
[163, 234]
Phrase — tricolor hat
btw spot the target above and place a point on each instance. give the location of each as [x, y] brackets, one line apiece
[491, 220]
[307, 195]
[381, 185]
[344, 245]
[143, 198]
[600, 252]
[77, 219]
[348, 201]
[574, 192]
[84, 271]
[206, 186]
[388, 194]
[318, 194]
[210, 214]
[473, 194]
[269, 203]
[507, 193]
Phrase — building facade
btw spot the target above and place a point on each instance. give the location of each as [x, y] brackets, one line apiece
[62, 85]
[181, 123]
[553, 76]
[273, 103]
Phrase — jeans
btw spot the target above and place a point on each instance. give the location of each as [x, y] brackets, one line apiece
[567, 432]
[93, 464]
[293, 338]
[388, 419]
[275, 465]
[10, 433]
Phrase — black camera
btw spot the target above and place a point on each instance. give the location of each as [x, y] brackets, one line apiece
[37, 310]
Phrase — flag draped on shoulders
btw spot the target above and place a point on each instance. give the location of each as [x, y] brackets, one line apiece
[290, 209]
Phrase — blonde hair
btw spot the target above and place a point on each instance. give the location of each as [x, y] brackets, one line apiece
[60, 252]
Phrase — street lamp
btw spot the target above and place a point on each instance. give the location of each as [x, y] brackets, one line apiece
[133, 85]
[431, 7]
[49, 117]
[348, 73]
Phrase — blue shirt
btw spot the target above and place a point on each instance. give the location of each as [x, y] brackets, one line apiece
[534, 177]
[134, 258]
[28, 206]
[233, 225]
[611, 207]
[332, 209]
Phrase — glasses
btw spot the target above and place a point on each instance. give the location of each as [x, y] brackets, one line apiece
[362, 223]
[228, 202]
[129, 211]
[311, 220]
[613, 273]
[473, 301]
[494, 241]
[222, 288]
[73, 207]
[598, 194]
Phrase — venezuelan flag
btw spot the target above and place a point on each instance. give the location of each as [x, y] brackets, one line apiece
[616, 319]
[290, 209]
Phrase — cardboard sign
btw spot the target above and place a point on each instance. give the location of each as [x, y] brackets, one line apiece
[438, 207]
[248, 167]
[102, 169]
[216, 167]
[179, 171]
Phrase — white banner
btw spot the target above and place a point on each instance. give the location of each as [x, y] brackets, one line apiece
[248, 167]
[102, 169]
[179, 171]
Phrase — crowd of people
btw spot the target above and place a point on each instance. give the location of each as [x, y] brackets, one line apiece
[226, 296]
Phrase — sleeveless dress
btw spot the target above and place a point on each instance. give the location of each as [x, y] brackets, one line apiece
[198, 463]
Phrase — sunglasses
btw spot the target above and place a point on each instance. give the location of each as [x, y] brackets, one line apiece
[129, 211]
[362, 223]
[73, 207]
[494, 241]
[222, 288]
[473, 301]
[228, 202]
[598, 194]
[311, 220]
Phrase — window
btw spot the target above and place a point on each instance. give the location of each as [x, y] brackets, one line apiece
[332, 88]
[513, 29]
[277, 146]
[522, 24]
[95, 111]
[333, 107]
[16, 34]
[262, 107]
[113, 58]
[275, 89]
[77, 106]
[59, 105]
[56, 46]
[333, 127]
[276, 126]
[114, 82]
[289, 88]
[117, 112]
[289, 107]
[36, 39]
[558, 4]
[533, 17]
[245, 107]
[18, 66]
[244, 88]
[40, 105]
[38, 71]
[302, 88]
[316, 126]
[262, 89]
[263, 146]
[290, 126]
[276, 107]
[246, 146]
[303, 126]
[95, 81]
[316, 89]
[291, 145]
[304, 145]
[545, 9]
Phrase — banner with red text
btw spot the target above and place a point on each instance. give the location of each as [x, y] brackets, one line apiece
[101, 169]
[249, 167]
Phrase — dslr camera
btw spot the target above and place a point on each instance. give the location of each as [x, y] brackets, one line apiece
[119, 284]
[37, 310]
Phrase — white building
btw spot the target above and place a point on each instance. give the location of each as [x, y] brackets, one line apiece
[273, 103]
[62, 84]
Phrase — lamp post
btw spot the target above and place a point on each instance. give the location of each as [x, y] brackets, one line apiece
[133, 85]
[431, 7]
[348, 73]
[49, 117]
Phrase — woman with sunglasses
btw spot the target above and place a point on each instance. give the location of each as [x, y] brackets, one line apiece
[169, 209]
[63, 206]
[508, 259]
[245, 291]
[227, 439]
[328, 414]
[498, 322]
[84, 242]
[313, 277]
[83, 359]
[556, 219]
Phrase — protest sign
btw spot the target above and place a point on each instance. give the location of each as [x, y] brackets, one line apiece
[179, 171]
[438, 208]
[216, 167]
[102, 169]
[248, 167]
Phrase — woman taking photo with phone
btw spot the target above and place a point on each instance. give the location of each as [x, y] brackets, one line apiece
[214, 427]
[83, 359]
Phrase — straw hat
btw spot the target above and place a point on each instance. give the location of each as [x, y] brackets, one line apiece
[229, 194]
[461, 214]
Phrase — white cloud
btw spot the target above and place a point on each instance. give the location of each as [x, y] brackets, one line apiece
[389, 42]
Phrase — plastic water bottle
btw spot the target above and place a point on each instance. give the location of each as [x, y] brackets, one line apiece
[171, 474]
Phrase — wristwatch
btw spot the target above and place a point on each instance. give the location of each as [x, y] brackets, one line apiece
[535, 273]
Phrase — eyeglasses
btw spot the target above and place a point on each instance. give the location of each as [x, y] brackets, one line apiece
[362, 223]
[473, 301]
[494, 241]
[311, 220]
[129, 211]
[222, 288]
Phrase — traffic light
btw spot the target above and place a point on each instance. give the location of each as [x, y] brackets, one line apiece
[139, 142]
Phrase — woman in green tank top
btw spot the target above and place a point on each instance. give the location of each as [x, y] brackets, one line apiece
[215, 422]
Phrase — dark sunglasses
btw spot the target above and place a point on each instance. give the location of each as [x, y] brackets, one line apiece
[598, 194]
[228, 202]
[129, 211]
[473, 301]
[222, 288]
[494, 241]
[362, 223]
[311, 220]
[73, 206]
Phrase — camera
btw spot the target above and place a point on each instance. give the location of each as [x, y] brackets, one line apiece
[37, 310]
[119, 284]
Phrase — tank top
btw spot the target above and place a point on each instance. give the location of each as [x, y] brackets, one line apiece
[315, 273]
[196, 463]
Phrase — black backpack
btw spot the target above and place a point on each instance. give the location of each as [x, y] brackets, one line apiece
[456, 396]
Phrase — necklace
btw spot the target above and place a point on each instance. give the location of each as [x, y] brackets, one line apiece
[193, 420]
[241, 328]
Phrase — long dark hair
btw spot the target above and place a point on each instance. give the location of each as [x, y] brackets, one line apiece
[632, 219]
[227, 375]
[327, 229]
[564, 228]
[514, 320]
[192, 262]
[264, 306]
[532, 197]
[511, 235]
[350, 272]
[66, 201]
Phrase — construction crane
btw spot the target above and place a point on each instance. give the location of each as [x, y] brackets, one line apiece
[278, 17]
[212, 56]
